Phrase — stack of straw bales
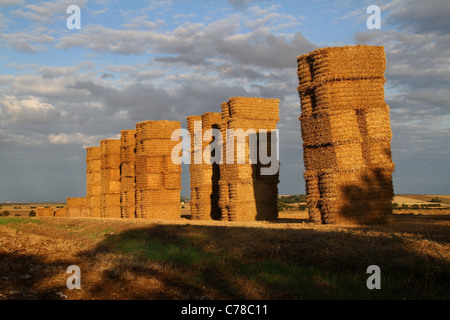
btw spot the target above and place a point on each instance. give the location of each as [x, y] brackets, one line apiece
[93, 181]
[158, 178]
[346, 134]
[245, 194]
[76, 207]
[128, 173]
[45, 212]
[204, 176]
[110, 178]
[194, 125]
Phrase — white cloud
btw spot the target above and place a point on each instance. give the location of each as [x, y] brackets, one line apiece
[26, 110]
[79, 138]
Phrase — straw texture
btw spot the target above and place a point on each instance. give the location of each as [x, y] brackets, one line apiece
[128, 173]
[245, 195]
[346, 134]
[157, 178]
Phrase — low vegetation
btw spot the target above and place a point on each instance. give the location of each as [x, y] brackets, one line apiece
[126, 259]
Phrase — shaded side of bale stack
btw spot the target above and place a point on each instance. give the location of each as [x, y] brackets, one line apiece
[207, 176]
[128, 173]
[76, 207]
[93, 181]
[158, 178]
[245, 194]
[194, 125]
[346, 134]
[110, 178]
[45, 212]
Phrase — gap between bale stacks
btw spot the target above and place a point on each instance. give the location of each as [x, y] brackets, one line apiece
[346, 134]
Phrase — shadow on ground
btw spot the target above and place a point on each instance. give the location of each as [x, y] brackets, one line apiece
[163, 261]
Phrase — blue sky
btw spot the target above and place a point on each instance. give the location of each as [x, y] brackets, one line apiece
[63, 90]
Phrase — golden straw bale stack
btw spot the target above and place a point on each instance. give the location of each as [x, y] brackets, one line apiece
[244, 194]
[156, 174]
[346, 134]
[45, 212]
[128, 173]
[205, 176]
[110, 178]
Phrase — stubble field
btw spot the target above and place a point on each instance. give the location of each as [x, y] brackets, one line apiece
[287, 259]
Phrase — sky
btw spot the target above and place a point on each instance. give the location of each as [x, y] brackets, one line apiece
[62, 90]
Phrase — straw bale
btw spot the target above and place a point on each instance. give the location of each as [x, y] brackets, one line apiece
[155, 147]
[76, 202]
[160, 196]
[94, 190]
[346, 155]
[110, 199]
[93, 153]
[246, 124]
[307, 102]
[110, 174]
[172, 181]
[314, 215]
[128, 169]
[93, 201]
[128, 138]
[312, 184]
[154, 164]
[128, 154]
[110, 146]
[76, 207]
[112, 212]
[304, 71]
[321, 128]
[45, 212]
[335, 210]
[110, 161]
[254, 108]
[111, 187]
[149, 181]
[349, 62]
[251, 211]
[377, 123]
[349, 94]
[60, 212]
[93, 165]
[211, 120]
[159, 129]
[377, 153]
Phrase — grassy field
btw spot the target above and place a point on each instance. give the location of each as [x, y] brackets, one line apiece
[287, 259]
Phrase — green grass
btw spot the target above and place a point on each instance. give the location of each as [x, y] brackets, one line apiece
[227, 272]
[18, 221]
